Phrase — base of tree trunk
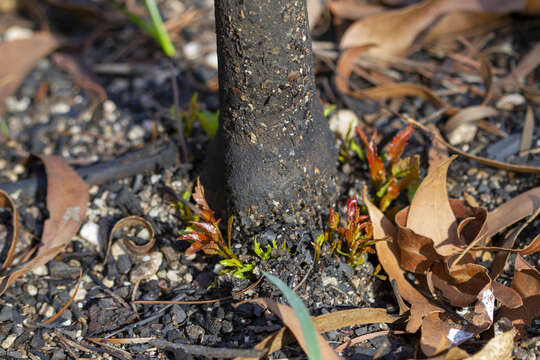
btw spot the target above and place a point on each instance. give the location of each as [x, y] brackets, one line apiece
[274, 155]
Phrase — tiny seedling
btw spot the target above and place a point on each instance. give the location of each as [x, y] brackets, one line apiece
[350, 146]
[154, 28]
[302, 313]
[351, 241]
[204, 234]
[209, 120]
[267, 253]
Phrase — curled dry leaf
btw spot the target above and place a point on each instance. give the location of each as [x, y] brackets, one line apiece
[526, 282]
[409, 22]
[9, 250]
[468, 115]
[345, 66]
[327, 322]
[288, 317]
[19, 57]
[67, 201]
[406, 89]
[131, 221]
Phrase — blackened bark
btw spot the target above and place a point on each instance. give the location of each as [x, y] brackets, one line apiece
[274, 152]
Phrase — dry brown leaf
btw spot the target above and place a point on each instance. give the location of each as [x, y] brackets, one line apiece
[467, 115]
[406, 89]
[409, 22]
[19, 57]
[67, 201]
[327, 322]
[461, 23]
[528, 130]
[431, 198]
[526, 282]
[527, 64]
[439, 334]
[7, 202]
[352, 10]
[437, 154]
[345, 66]
[386, 253]
[505, 215]
[498, 348]
[288, 317]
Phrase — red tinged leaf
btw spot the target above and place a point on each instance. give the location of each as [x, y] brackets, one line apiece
[376, 165]
[206, 227]
[398, 143]
[198, 195]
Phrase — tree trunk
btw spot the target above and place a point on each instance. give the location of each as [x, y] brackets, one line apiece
[274, 155]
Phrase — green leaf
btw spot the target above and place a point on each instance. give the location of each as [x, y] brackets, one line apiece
[328, 110]
[210, 122]
[159, 30]
[302, 313]
[231, 263]
[357, 150]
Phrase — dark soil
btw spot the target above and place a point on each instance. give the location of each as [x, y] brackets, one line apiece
[66, 122]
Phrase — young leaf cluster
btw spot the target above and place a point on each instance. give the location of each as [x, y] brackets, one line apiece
[352, 240]
[204, 234]
[208, 120]
[397, 174]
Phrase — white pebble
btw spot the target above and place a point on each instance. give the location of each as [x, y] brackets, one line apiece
[15, 105]
[464, 133]
[508, 102]
[60, 108]
[90, 232]
[8, 341]
[32, 290]
[211, 60]
[17, 33]
[192, 50]
[135, 133]
[40, 270]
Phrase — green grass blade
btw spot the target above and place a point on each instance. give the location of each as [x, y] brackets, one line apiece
[160, 32]
[302, 313]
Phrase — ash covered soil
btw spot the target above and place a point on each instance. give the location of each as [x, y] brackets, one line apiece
[67, 120]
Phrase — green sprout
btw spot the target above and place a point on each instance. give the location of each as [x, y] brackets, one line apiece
[154, 28]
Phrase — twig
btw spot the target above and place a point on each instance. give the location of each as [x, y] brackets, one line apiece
[209, 352]
[147, 159]
[180, 127]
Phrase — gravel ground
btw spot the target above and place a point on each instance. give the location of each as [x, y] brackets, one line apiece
[66, 122]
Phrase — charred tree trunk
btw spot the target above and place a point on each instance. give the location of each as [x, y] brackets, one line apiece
[274, 151]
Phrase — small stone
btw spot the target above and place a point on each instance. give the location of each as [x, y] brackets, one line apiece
[15, 105]
[144, 234]
[109, 106]
[508, 102]
[46, 310]
[8, 341]
[123, 264]
[31, 289]
[211, 60]
[61, 270]
[178, 313]
[18, 169]
[343, 122]
[108, 282]
[17, 33]
[135, 133]
[192, 50]
[172, 276]
[117, 250]
[464, 133]
[90, 232]
[155, 178]
[147, 268]
[329, 280]
[60, 108]
[40, 270]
